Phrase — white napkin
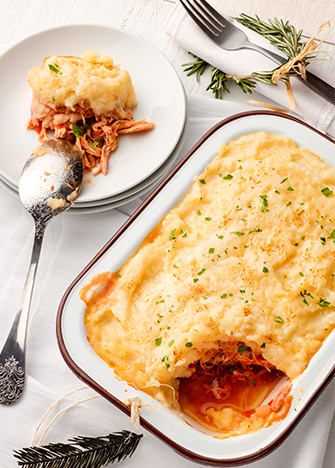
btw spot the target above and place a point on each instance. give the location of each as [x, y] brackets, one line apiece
[71, 240]
[309, 106]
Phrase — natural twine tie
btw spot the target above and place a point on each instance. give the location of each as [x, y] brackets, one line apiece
[298, 65]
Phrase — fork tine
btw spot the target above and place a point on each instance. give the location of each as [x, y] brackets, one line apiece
[213, 13]
[199, 19]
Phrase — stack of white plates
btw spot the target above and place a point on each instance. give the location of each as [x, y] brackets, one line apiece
[141, 159]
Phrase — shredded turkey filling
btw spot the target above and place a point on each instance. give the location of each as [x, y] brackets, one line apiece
[94, 135]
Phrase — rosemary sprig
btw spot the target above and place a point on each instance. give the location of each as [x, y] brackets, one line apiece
[282, 35]
[80, 452]
[279, 33]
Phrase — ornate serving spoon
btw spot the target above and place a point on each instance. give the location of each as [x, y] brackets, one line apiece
[50, 181]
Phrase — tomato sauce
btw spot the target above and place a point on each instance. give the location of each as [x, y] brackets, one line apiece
[202, 391]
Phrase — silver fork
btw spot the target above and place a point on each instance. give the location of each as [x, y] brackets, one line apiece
[229, 37]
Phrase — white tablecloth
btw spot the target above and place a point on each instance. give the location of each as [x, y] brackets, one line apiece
[70, 242]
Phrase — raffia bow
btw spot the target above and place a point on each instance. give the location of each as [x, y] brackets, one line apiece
[297, 64]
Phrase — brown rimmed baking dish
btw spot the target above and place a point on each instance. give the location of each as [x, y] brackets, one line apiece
[167, 425]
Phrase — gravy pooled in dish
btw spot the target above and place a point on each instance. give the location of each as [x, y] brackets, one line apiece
[232, 294]
[88, 100]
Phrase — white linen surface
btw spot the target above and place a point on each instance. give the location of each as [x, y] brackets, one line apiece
[70, 242]
[309, 106]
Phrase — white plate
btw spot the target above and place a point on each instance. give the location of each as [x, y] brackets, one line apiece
[97, 206]
[167, 424]
[160, 95]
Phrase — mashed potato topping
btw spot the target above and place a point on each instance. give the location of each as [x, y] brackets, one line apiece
[239, 277]
[67, 81]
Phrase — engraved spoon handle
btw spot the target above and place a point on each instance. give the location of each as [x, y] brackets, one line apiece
[12, 357]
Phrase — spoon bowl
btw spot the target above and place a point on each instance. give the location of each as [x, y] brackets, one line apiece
[50, 181]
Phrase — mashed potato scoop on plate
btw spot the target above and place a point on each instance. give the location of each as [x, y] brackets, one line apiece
[88, 100]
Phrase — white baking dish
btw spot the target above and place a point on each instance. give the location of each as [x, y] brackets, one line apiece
[168, 425]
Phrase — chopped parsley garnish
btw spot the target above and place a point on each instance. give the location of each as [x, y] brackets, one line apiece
[223, 296]
[278, 319]
[289, 203]
[170, 343]
[305, 293]
[54, 67]
[242, 348]
[201, 271]
[332, 234]
[118, 274]
[199, 212]
[195, 280]
[173, 232]
[238, 233]
[323, 303]
[188, 344]
[290, 189]
[255, 230]
[202, 181]
[301, 273]
[77, 130]
[284, 180]
[158, 341]
[208, 219]
[211, 250]
[327, 192]
[227, 177]
[265, 202]
[265, 270]
[263, 346]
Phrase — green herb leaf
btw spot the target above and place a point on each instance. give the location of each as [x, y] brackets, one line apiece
[188, 344]
[323, 303]
[227, 177]
[201, 271]
[158, 341]
[54, 68]
[173, 232]
[265, 202]
[202, 181]
[242, 348]
[327, 192]
[238, 233]
[278, 319]
[77, 130]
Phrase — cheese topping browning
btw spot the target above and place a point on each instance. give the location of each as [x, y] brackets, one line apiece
[94, 79]
[247, 256]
